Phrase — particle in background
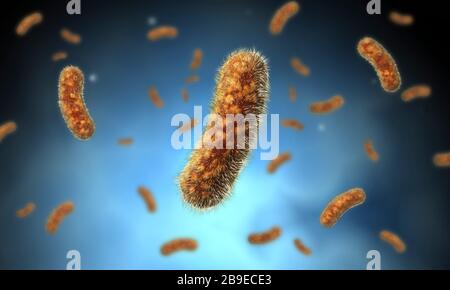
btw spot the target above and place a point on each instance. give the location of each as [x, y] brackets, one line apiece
[321, 127]
[152, 20]
[93, 78]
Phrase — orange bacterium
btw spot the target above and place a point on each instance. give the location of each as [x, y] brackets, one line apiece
[282, 16]
[340, 205]
[242, 88]
[265, 237]
[383, 63]
[71, 103]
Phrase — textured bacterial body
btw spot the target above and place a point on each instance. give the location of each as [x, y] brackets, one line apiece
[340, 205]
[71, 103]
[242, 88]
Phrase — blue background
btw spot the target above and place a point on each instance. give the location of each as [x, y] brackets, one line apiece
[42, 162]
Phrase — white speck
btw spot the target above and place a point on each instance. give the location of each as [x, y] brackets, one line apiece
[321, 127]
[93, 78]
[152, 20]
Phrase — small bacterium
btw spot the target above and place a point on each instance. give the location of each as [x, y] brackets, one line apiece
[148, 197]
[327, 106]
[292, 123]
[26, 210]
[292, 94]
[182, 244]
[7, 129]
[70, 37]
[197, 59]
[302, 248]
[265, 237]
[57, 216]
[162, 32]
[442, 159]
[241, 87]
[58, 56]
[192, 79]
[340, 205]
[370, 151]
[282, 16]
[382, 62]
[125, 141]
[155, 98]
[189, 126]
[416, 92]
[394, 240]
[277, 162]
[28, 22]
[299, 67]
[71, 103]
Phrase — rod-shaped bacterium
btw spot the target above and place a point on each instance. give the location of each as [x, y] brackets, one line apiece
[242, 88]
[71, 103]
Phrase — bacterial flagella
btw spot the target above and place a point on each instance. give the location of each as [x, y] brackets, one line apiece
[28, 22]
[242, 88]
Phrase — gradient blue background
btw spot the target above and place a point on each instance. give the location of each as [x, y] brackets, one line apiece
[111, 227]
